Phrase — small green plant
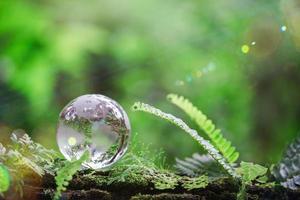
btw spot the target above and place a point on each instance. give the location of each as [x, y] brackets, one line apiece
[250, 172]
[220, 150]
[140, 166]
[39, 158]
[138, 106]
[65, 174]
[23, 156]
[214, 134]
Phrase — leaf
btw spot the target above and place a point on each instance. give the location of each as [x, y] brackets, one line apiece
[214, 134]
[250, 171]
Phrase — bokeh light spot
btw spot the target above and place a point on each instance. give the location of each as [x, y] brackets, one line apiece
[283, 28]
[245, 48]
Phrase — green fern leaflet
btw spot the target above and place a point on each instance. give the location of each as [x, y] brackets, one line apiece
[223, 145]
[65, 174]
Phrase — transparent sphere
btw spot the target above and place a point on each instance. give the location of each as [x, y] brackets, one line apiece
[95, 123]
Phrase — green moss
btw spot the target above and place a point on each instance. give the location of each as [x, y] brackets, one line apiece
[143, 176]
[165, 180]
[195, 183]
[135, 175]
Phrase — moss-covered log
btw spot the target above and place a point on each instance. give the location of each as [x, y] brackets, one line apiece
[99, 185]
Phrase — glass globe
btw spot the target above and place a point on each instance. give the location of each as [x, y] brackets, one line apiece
[95, 123]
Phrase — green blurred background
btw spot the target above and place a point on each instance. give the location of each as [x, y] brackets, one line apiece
[237, 60]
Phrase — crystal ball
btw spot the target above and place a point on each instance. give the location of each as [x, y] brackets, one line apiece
[95, 123]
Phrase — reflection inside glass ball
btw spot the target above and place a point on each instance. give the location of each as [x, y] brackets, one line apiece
[95, 123]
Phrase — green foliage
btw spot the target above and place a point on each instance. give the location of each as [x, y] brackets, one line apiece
[287, 171]
[4, 179]
[214, 134]
[178, 122]
[39, 158]
[65, 174]
[140, 167]
[24, 156]
[196, 183]
[138, 170]
[134, 167]
[51, 56]
[251, 172]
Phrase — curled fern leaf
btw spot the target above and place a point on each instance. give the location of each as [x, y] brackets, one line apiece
[138, 106]
[287, 171]
[65, 174]
[223, 145]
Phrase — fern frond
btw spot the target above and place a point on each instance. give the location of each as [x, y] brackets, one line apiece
[138, 106]
[214, 134]
[23, 156]
[198, 165]
[34, 152]
[292, 183]
[287, 171]
[18, 159]
[65, 174]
